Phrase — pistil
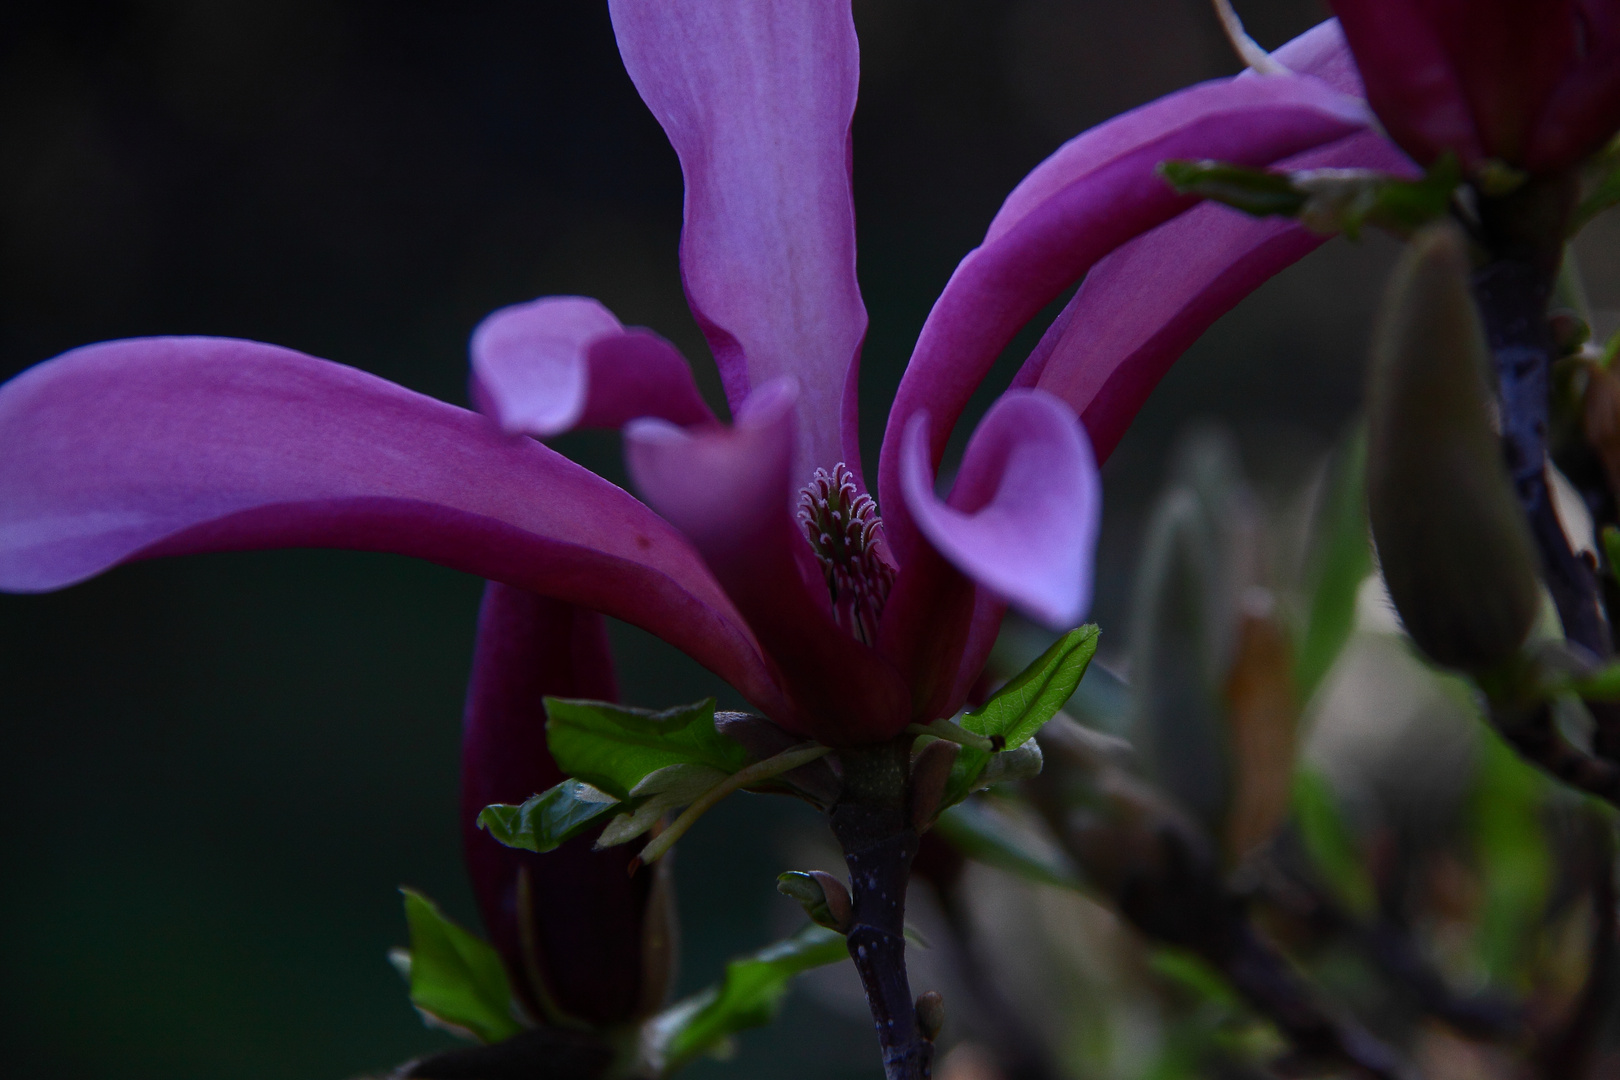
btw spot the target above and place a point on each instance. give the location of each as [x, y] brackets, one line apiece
[844, 529]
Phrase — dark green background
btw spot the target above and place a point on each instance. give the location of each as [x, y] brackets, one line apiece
[214, 772]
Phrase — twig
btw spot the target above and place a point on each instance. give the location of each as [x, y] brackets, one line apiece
[872, 825]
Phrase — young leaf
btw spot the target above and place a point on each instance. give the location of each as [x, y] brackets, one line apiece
[1017, 710]
[614, 748]
[1329, 843]
[1324, 200]
[1514, 856]
[661, 790]
[748, 996]
[1603, 196]
[984, 834]
[1341, 557]
[457, 981]
[1194, 974]
[546, 820]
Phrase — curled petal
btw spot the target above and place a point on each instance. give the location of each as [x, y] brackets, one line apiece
[167, 446]
[731, 491]
[756, 96]
[1141, 307]
[569, 924]
[562, 362]
[1097, 192]
[1022, 517]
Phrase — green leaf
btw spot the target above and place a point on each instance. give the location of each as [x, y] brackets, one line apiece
[457, 980]
[1324, 200]
[1254, 191]
[1601, 685]
[1194, 974]
[546, 820]
[614, 748]
[660, 791]
[1017, 710]
[748, 996]
[1340, 559]
[986, 835]
[1515, 861]
[1329, 842]
[1611, 541]
[1605, 195]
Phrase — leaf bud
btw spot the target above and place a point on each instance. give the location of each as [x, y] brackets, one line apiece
[930, 1014]
[824, 898]
[1455, 549]
[929, 773]
[1020, 763]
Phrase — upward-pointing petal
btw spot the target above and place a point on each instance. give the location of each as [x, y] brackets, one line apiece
[757, 96]
[166, 446]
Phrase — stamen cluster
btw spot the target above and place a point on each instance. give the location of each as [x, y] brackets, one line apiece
[843, 527]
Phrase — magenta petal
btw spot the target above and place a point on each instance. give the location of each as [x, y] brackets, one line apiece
[1093, 195]
[1022, 516]
[165, 446]
[731, 492]
[756, 96]
[1584, 109]
[570, 920]
[1141, 307]
[1411, 81]
[563, 362]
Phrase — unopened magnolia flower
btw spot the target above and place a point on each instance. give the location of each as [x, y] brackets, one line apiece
[1534, 84]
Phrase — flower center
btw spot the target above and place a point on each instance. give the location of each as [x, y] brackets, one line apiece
[844, 529]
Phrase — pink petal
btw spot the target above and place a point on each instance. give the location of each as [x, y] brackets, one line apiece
[1093, 195]
[584, 911]
[1022, 516]
[562, 362]
[166, 446]
[756, 96]
[731, 492]
[1141, 307]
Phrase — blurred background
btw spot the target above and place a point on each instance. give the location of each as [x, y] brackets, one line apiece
[214, 772]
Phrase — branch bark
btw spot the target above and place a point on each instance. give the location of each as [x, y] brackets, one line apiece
[872, 823]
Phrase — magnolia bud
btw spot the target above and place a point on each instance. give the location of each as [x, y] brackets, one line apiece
[1455, 550]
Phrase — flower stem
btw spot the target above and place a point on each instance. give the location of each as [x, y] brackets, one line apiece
[1523, 235]
[874, 828]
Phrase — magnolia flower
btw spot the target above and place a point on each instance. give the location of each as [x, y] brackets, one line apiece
[758, 549]
[1531, 83]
